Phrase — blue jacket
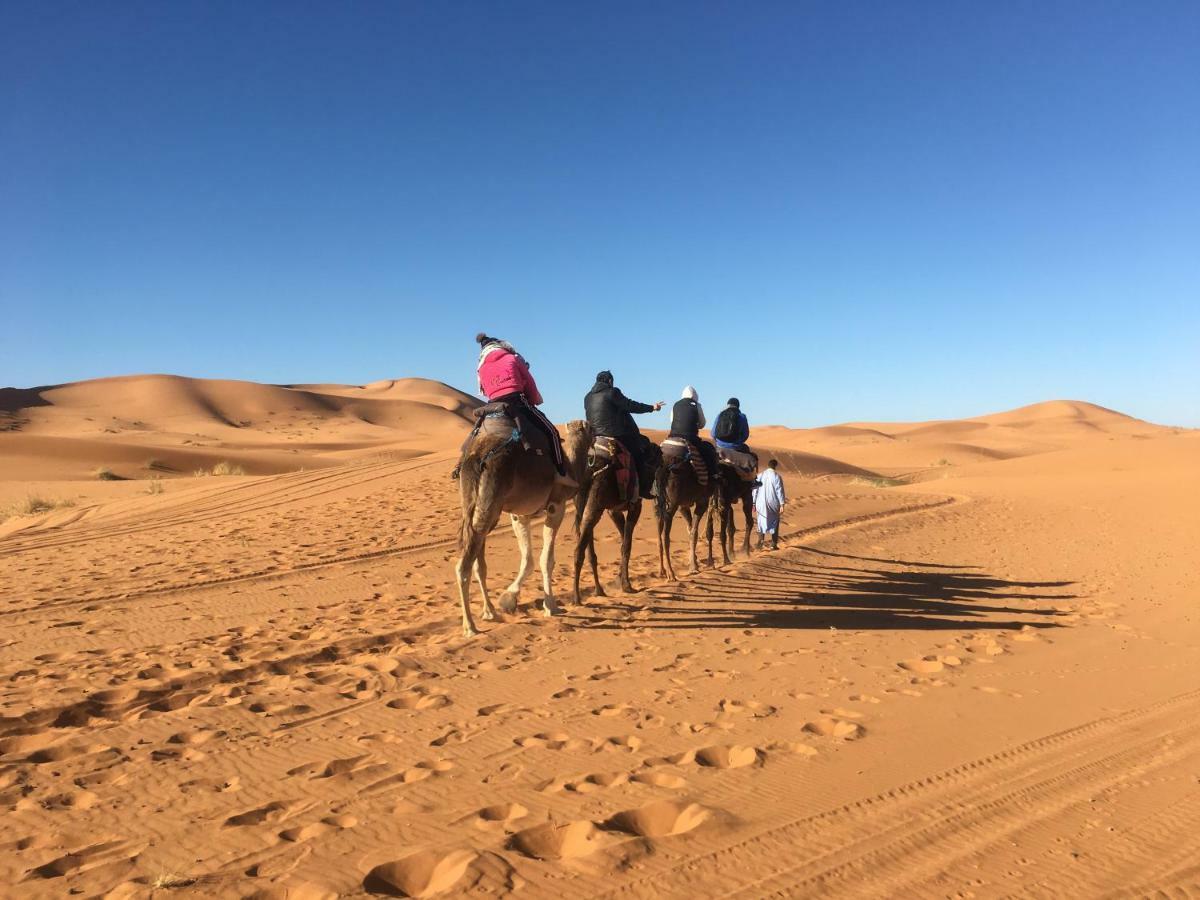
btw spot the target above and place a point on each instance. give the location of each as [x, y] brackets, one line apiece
[741, 433]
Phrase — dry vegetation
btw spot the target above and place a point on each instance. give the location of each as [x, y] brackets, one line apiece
[32, 505]
[221, 468]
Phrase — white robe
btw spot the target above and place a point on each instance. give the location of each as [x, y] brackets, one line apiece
[769, 499]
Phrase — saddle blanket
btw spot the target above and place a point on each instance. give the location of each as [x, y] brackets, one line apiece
[677, 450]
[746, 464]
[610, 451]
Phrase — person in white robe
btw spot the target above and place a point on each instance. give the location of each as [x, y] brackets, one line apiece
[769, 500]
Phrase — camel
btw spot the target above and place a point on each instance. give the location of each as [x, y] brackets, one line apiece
[730, 490]
[599, 493]
[498, 474]
[679, 489]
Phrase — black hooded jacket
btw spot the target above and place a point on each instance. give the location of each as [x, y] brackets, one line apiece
[609, 412]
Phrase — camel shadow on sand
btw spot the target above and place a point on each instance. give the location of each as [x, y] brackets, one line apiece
[801, 588]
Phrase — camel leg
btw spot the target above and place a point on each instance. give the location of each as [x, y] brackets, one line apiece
[693, 517]
[508, 600]
[629, 523]
[748, 514]
[661, 523]
[554, 520]
[709, 535]
[489, 612]
[595, 564]
[473, 551]
[726, 532]
[668, 520]
[587, 527]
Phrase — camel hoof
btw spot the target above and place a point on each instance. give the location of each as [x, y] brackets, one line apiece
[488, 615]
[600, 591]
[508, 602]
[550, 609]
[469, 630]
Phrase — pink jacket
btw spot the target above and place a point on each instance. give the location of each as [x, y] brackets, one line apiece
[503, 372]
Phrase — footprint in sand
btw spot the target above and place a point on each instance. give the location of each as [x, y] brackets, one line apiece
[830, 726]
[112, 854]
[752, 708]
[1027, 634]
[551, 841]
[659, 819]
[616, 709]
[272, 812]
[554, 740]
[498, 817]
[336, 768]
[985, 648]
[71, 800]
[326, 825]
[729, 756]
[418, 699]
[799, 748]
[927, 665]
[659, 779]
[412, 775]
[423, 874]
[725, 756]
[589, 783]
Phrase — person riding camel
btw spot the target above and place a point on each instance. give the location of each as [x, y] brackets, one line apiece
[610, 414]
[504, 377]
[687, 418]
[732, 428]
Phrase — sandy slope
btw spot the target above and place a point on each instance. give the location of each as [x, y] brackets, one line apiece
[143, 425]
[256, 686]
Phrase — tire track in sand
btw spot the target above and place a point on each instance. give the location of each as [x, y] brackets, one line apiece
[908, 840]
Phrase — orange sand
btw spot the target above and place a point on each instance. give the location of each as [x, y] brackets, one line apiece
[971, 670]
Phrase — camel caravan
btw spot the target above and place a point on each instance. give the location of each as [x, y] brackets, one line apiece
[515, 461]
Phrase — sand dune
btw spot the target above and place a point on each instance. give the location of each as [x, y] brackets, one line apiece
[186, 423]
[257, 686]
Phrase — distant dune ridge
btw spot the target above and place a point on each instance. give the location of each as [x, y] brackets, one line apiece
[143, 425]
[62, 431]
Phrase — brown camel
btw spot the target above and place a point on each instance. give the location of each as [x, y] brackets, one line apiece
[730, 490]
[500, 472]
[680, 490]
[599, 492]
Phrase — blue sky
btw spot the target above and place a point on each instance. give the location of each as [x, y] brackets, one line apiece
[835, 211]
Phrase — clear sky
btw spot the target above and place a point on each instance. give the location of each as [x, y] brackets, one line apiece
[835, 211]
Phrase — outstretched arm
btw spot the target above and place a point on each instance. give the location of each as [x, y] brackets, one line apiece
[624, 404]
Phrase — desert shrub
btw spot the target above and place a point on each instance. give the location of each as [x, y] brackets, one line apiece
[32, 505]
[155, 486]
[880, 481]
[227, 468]
[104, 473]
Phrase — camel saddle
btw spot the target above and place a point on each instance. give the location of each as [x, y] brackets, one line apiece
[745, 464]
[677, 451]
[512, 421]
[609, 452]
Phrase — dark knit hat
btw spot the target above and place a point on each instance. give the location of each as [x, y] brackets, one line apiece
[733, 401]
[605, 377]
[484, 338]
